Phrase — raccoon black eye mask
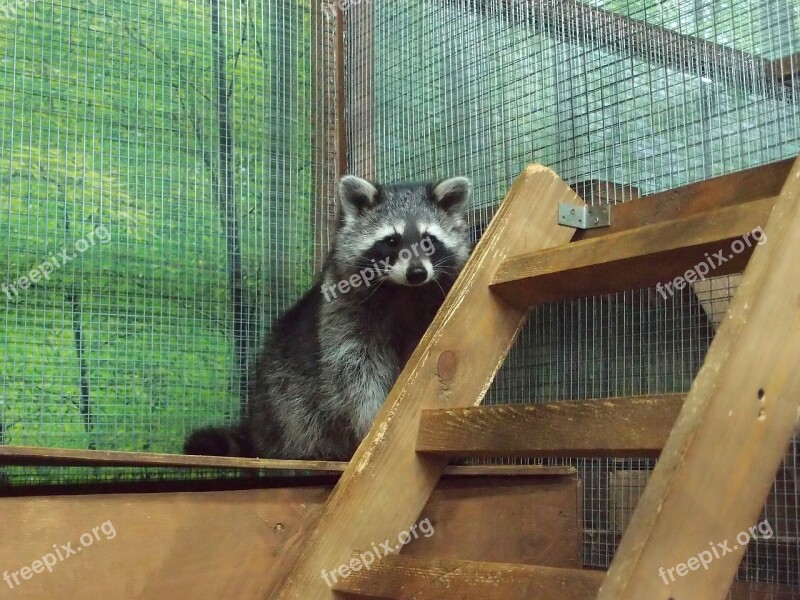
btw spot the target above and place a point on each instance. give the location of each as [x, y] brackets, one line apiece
[331, 359]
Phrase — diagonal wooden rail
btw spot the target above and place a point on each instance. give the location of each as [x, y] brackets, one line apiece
[720, 460]
[386, 483]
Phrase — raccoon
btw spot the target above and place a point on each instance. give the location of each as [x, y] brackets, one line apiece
[332, 358]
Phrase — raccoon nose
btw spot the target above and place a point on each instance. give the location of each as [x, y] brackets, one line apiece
[416, 275]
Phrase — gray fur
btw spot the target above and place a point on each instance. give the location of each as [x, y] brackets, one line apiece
[331, 360]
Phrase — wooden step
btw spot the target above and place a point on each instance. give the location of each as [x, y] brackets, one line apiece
[633, 426]
[637, 258]
[399, 577]
[31, 456]
[395, 576]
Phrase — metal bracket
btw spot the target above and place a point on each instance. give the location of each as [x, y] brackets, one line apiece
[584, 217]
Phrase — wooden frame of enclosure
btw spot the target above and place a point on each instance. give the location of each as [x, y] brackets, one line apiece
[717, 461]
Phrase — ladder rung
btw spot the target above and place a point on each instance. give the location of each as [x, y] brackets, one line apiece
[633, 426]
[395, 576]
[632, 259]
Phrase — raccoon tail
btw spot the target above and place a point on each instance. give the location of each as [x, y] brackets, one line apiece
[219, 441]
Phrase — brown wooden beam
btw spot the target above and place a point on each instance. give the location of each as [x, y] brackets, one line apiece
[636, 258]
[238, 544]
[359, 21]
[736, 188]
[31, 456]
[434, 579]
[636, 426]
[580, 23]
[400, 577]
[328, 121]
[719, 463]
[785, 69]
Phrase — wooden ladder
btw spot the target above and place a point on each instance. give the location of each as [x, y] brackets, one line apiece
[719, 446]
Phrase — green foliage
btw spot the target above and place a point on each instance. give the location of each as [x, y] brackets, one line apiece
[107, 118]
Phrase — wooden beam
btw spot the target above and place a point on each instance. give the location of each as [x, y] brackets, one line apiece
[360, 61]
[399, 577]
[238, 544]
[327, 121]
[733, 189]
[720, 460]
[784, 69]
[697, 198]
[636, 426]
[453, 365]
[31, 456]
[635, 258]
[473, 516]
[576, 22]
[27, 455]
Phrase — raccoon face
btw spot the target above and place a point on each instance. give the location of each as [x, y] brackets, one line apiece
[408, 234]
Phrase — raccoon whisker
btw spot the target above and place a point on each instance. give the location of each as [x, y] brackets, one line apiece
[380, 283]
[439, 285]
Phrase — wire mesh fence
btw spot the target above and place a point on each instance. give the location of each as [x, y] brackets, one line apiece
[157, 174]
[166, 167]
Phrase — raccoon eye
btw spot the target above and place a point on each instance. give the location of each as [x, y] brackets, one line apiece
[391, 240]
[433, 239]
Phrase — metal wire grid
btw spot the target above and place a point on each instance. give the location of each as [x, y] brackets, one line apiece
[484, 87]
[110, 117]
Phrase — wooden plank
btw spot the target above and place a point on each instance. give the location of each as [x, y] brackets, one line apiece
[736, 188]
[577, 22]
[636, 426]
[727, 190]
[360, 59]
[701, 197]
[453, 365]
[27, 455]
[328, 121]
[784, 69]
[238, 544]
[462, 532]
[434, 579]
[636, 258]
[720, 460]
[398, 576]
[31, 456]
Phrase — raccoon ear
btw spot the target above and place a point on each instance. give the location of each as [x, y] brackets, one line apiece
[452, 195]
[357, 195]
